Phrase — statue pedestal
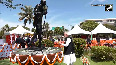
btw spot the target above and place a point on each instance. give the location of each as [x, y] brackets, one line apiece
[47, 56]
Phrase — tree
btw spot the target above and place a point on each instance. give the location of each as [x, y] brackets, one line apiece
[72, 27]
[66, 30]
[50, 33]
[9, 4]
[7, 28]
[46, 29]
[1, 34]
[58, 31]
[3, 30]
[89, 25]
[112, 27]
[26, 28]
[27, 14]
[33, 29]
[115, 23]
[12, 28]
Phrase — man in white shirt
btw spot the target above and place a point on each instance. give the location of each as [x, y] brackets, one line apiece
[69, 55]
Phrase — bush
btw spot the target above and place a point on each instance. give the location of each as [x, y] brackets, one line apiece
[103, 53]
[79, 45]
[45, 42]
[48, 43]
[37, 43]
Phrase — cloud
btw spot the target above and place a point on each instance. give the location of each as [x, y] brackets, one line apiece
[14, 24]
[16, 15]
[101, 0]
[96, 0]
[51, 20]
[57, 22]
[92, 1]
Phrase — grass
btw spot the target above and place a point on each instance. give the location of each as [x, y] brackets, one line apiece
[78, 62]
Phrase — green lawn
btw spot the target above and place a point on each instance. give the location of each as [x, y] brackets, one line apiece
[78, 62]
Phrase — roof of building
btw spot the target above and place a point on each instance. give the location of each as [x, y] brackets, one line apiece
[101, 19]
[111, 18]
[94, 19]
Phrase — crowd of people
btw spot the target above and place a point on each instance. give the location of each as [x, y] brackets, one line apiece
[69, 54]
[98, 38]
[68, 45]
[25, 40]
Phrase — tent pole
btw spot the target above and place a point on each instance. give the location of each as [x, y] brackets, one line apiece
[91, 35]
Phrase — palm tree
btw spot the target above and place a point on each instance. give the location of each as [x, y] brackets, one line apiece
[27, 14]
[5, 28]
[47, 26]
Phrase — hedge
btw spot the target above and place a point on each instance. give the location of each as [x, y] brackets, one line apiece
[103, 53]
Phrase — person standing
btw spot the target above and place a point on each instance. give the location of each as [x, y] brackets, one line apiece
[22, 42]
[27, 41]
[98, 40]
[69, 54]
[88, 42]
[18, 40]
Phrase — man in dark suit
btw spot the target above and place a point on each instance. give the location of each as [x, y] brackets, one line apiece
[28, 42]
[22, 42]
[18, 40]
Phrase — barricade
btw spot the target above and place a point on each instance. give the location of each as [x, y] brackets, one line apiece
[5, 49]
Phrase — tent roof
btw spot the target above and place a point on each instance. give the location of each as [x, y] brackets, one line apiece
[78, 30]
[101, 29]
[20, 30]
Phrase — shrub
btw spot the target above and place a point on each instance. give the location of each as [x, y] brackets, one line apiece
[45, 42]
[37, 43]
[79, 45]
[103, 53]
[48, 43]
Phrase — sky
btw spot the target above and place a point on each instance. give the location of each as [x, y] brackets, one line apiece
[65, 13]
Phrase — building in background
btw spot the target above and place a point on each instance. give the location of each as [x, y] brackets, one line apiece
[109, 21]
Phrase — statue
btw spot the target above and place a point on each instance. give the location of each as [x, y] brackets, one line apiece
[39, 11]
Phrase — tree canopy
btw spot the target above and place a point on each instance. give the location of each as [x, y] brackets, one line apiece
[89, 25]
[58, 31]
[4, 29]
[12, 28]
[112, 27]
[26, 14]
[9, 4]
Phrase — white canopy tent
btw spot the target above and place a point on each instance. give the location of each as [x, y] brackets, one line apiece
[20, 30]
[78, 30]
[102, 29]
